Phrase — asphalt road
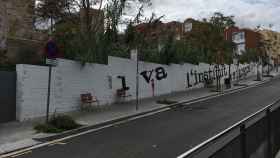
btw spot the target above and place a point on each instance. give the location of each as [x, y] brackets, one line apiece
[168, 134]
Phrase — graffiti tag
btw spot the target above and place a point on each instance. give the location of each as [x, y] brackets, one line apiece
[159, 72]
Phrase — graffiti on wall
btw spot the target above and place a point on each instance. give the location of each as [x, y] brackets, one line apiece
[150, 76]
[201, 77]
[124, 85]
[242, 73]
[213, 74]
[193, 77]
[159, 73]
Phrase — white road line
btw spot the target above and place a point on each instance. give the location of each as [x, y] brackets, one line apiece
[223, 94]
[58, 141]
[20, 154]
[222, 133]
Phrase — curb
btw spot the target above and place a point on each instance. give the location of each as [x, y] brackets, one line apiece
[121, 119]
[26, 143]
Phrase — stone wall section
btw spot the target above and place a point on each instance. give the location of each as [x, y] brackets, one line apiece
[17, 31]
[20, 15]
[3, 25]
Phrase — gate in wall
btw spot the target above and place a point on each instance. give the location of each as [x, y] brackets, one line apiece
[7, 96]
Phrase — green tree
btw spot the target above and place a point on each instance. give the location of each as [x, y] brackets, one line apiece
[221, 21]
[250, 55]
[223, 50]
[88, 44]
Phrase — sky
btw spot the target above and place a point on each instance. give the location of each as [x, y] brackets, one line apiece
[248, 13]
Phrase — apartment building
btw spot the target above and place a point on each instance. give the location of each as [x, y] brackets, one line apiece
[243, 39]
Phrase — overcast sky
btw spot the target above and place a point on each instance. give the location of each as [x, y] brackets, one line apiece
[248, 13]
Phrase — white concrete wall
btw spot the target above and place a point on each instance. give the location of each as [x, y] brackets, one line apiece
[75, 80]
[127, 68]
[70, 79]
[31, 91]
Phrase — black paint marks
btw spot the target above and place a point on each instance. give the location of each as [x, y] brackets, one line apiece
[159, 72]
[147, 75]
[201, 77]
[124, 87]
[217, 72]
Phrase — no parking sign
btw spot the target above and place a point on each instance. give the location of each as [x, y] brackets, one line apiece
[51, 51]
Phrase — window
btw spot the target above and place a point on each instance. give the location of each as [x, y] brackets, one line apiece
[188, 27]
[240, 49]
[238, 37]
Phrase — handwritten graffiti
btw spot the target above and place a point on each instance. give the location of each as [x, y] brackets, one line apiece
[124, 86]
[160, 74]
[242, 73]
[201, 77]
[213, 74]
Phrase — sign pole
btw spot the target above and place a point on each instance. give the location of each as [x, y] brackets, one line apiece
[51, 51]
[137, 81]
[49, 94]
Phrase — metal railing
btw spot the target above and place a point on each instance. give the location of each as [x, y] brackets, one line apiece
[255, 136]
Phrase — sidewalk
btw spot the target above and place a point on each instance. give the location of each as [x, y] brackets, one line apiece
[17, 135]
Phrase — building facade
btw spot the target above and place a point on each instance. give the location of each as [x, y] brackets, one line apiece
[160, 30]
[271, 43]
[244, 39]
[20, 17]
[3, 26]
[17, 30]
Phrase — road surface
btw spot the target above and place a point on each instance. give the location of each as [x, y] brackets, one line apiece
[168, 134]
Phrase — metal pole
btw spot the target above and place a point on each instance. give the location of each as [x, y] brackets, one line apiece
[277, 64]
[49, 82]
[137, 81]
[258, 69]
[238, 72]
[49, 92]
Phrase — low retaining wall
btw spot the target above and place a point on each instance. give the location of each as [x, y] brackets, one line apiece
[70, 79]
